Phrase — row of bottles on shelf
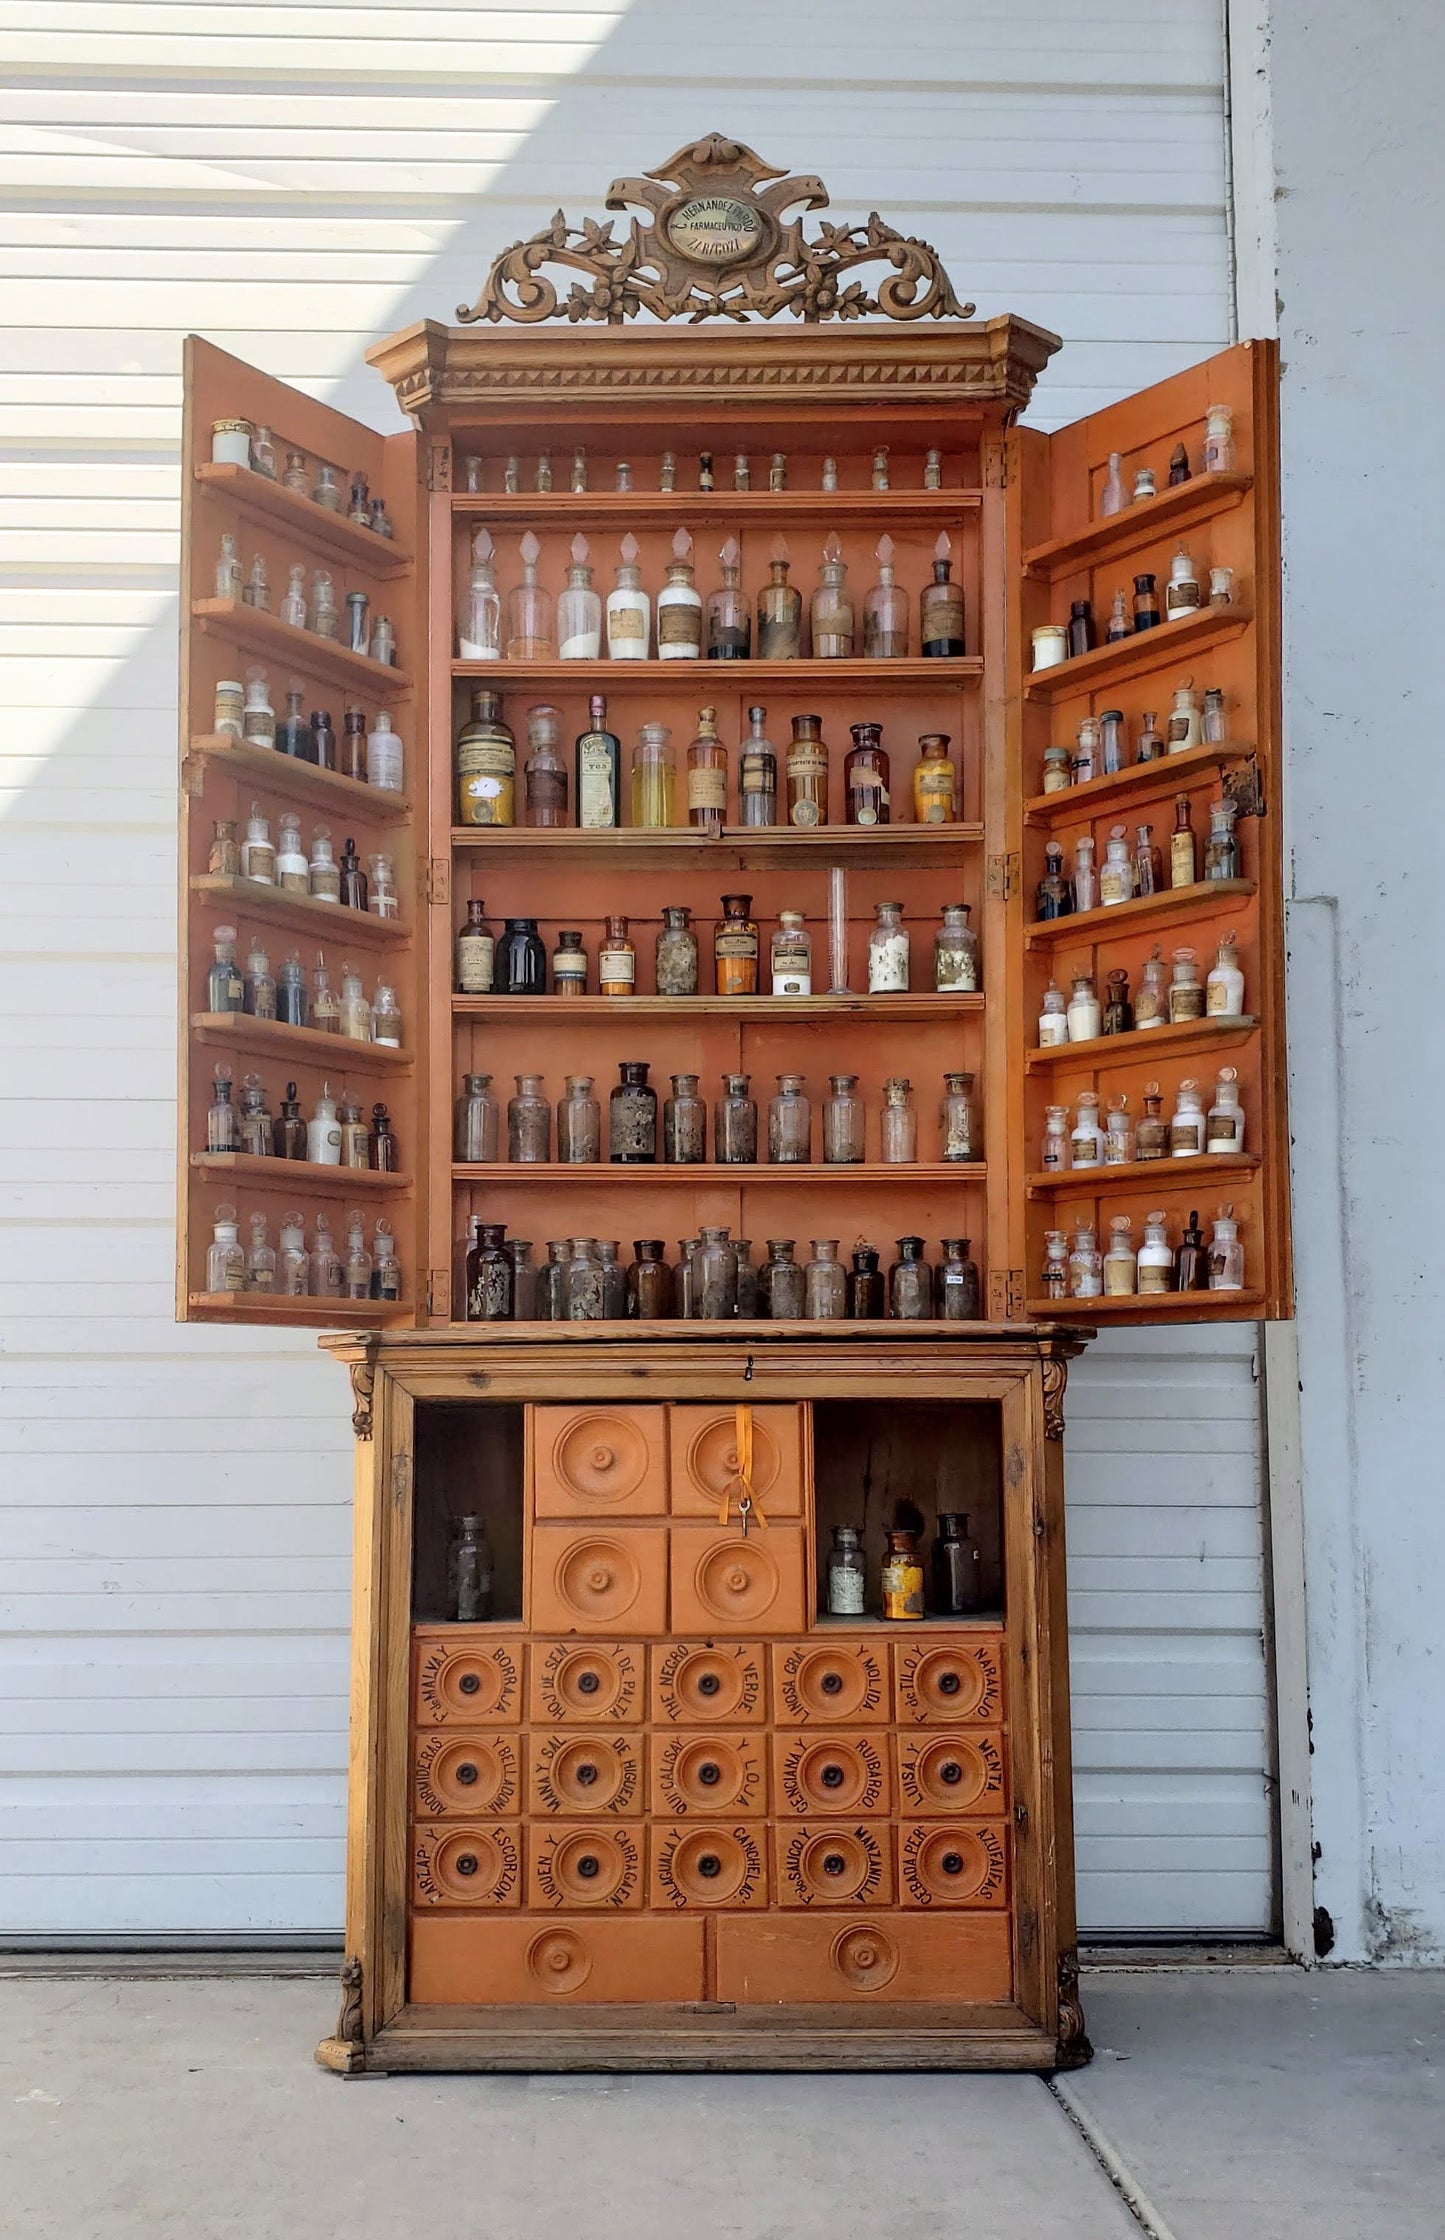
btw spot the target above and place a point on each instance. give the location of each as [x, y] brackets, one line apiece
[1188, 1132]
[473, 472]
[1175, 1002]
[643, 1130]
[715, 1279]
[1184, 595]
[517, 963]
[287, 998]
[1098, 749]
[247, 443]
[372, 757]
[294, 1270]
[335, 1135]
[576, 625]
[284, 864]
[952, 1575]
[1080, 1271]
[1132, 871]
[1217, 458]
[486, 773]
[317, 611]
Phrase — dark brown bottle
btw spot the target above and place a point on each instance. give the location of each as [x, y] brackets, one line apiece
[1055, 893]
[1178, 465]
[1146, 604]
[353, 878]
[489, 1276]
[1191, 1259]
[353, 745]
[288, 1129]
[649, 1282]
[1118, 1010]
[865, 1286]
[865, 777]
[955, 1573]
[1083, 637]
[323, 739]
[384, 1154]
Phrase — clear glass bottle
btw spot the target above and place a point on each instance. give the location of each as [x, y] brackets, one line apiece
[632, 1118]
[258, 853]
[749, 1281]
[223, 1132]
[1221, 587]
[843, 1122]
[598, 755]
[654, 778]
[616, 960]
[757, 776]
[885, 611]
[384, 902]
[228, 569]
[888, 946]
[1186, 723]
[910, 1283]
[543, 478]
[1144, 484]
[1186, 996]
[292, 1007]
[729, 617]
[323, 739]
[780, 610]
[1226, 1253]
[579, 610]
[489, 1275]
[831, 612]
[1224, 988]
[1086, 878]
[933, 469]
[1149, 746]
[583, 1291]
[1151, 1137]
[325, 1002]
[791, 955]
[782, 1285]
[825, 1283]
[715, 1297]
[1086, 1274]
[486, 764]
[1186, 1127]
[1118, 1133]
[383, 766]
[258, 717]
[256, 590]
[569, 963]
[356, 635]
[1154, 1265]
[355, 1136]
[1224, 1125]
[1120, 1267]
[1085, 762]
[614, 1280]
[578, 483]
[328, 1271]
[1056, 1265]
[293, 1262]
[469, 1573]
[940, 607]
[679, 606]
[1151, 1004]
[1111, 742]
[956, 1291]
[546, 770]
[1054, 1148]
[1182, 595]
[260, 1258]
[1118, 1011]
[1111, 495]
[649, 1282]
[383, 642]
[1218, 439]
[552, 1289]
[1053, 1018]
[327, 490]
[297, 477]
[623, 474]
[676, 952]
[475, 1122]
[865, 777]
[790, 1123]
[629, 610]
[955, 952]
[529, 1123]
[354, 1012]
[259, 984]
[1215, 722]
[476, 951]
[735, 947]
[935, 781]
[735, 1124]
[1120, 624]
[1221, 849]
[323, 617]
[742, 471]
[1086, 1018]
[579, 1123]
[1116, 876]
[479, 606]
[684, 1280]
[529, 610]
[684, 1123]
[847, 1574]
[707, 777]
[257, 1128]
[960, 1137]
[293, 601]
[829, 476]
[898, 1123]
[807, 772]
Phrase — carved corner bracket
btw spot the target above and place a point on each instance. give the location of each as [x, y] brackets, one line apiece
[1056, 1380]
[363, 1388]
[1073, 2047]
[716, 245]
[345, 2053]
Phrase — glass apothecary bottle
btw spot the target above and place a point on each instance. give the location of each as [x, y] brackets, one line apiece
[1084, 765]
[749, 1280]
[479, 605]
[486, 763]
[598, 756]
[735, 1124]
[959, 1139]
[888, 951]
[526, 1279]
[1086, 1275]
[1120, 1268]
[825, 1283]
[1118, 1133]
[614, 1281]
[475, 953]
[679, 606]
[954, 1562]
[616, 959]
[791, 955]
[684, 1280]
[353, 1011]
[1224, 1129]
[729, 617]
[1221, 849]
[569, 963]
[1183, 850]
[529, 1123]
[386, 1017]
[223, 1132]
[684, 1123]
[323, 739]
[867, 1286]
[328, 1270]
[940, 607]
[1149, 746]
[258, 1128]
[902, 1578]
[782, 1285]
[293, 599]
[831, 612]
[259, 985]
[1186, 1127]
[1056, 1265]
[716, 1277]
[1151, 1004]
[1182, 595]
[579, 610]
[520, 964]
[261, 1259]
[1086, 1018]
[807, 770]
[1186, 995]
[228, 569]
[552, 1283]
[629, 610]
[1054, 1149]
[323, 617]
[1218, 439]
[1224, 988]
[293, 1261]
[707, 777]
[1186, 721]
[292, 1006]
[546, 770]
[1146, 597]
[579, 1123]
[258, 717]
[910, 1283]
[1116, 877]
[735, 947]
[847, 1574]
[489, 1275]
[843, 1122]
[1154, 1263]
[649, 1282]
[1226, 1253]
[780, 610]
[1120, 624]
[676, 952]
[935, 781]
[1054, 895]
[885, 611]
[529, 610]
[583, 1291]
[1151, 1137]
[653, 778]
[1086, 1138]
[475, 1123]
[1085, 877]
[385, 901]
[323, 1135]
[1058, 769]
[325, 1002]
[258, 851]
[955, 952]
[866, 777]
[898, 1123]
[956, 1292]
[632, 1118]
[757, 776]
[1111, 494]
[790, 1123]
[355, 1135]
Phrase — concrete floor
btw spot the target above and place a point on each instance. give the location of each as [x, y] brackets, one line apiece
[1262, 2103]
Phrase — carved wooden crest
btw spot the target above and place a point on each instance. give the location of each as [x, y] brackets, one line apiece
[717, 245]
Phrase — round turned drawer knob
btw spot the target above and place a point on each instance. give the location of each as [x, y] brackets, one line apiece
[469, 1683]
[559, 1960]
[949, 1684]
[588, 1683]
[950, 1772]
[865, 1955]
[951, 1863]
[832, 1683]
[736, 1580]
[467, 1863]
[709, 1775]
[603, 1458]
[466, 1773]
[709, 1684]
[586, 1775]
[832, 1777]
[599, 1578]
[588, 1866]
[709, 1865]
[834, 1863]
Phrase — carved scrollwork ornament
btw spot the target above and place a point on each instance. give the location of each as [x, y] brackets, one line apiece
[363, 1387]
[345, 2053]
[1056, 1378]
[1073, 2047]
[716, 245]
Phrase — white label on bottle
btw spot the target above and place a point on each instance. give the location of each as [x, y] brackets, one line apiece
[617, 964]
[594, 784]
[792, 984]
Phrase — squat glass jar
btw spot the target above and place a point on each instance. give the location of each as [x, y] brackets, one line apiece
[529, 1123]
[843, 1122]
[826, 1283]
[684, 1124]
[632, 1118]
[579, 1123]
[676, 953]
[735, 1124]
[790, 1123]
[910, 1283]
[782, 1286]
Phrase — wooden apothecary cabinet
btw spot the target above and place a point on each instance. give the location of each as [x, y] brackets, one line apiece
[658, 1812]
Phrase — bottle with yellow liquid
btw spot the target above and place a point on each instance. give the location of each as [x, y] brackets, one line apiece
[653, 778]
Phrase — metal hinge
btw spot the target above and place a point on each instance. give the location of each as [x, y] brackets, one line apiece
[1241, 785]
[439, 880]
[995, 470]
[1006, 1295]
[1005, 875]
[439, 1293]
[438, 466]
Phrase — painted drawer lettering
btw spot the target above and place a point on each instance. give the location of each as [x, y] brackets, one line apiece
[711, 1773]
[709, 1866]
[954, 1866]
[834, 1867]
[479, 1683]
[467, 1866]
[696, 1682]
[957, 1681]
[830, 1684]
[584, 1773]
[587, 1867]
[595, 1680]
[469, 1773]
[830, 1773]
[951, 1773]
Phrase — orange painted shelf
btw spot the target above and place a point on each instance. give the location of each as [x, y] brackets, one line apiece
[268, 635]
[706, 1175]
[744, 1010]
[1171, 1306]
[1199, 499]
[1142, 1046]
[286, 1174]
[260, 499]
[329, 921]
[1170, 1174]
[612, 677]
[319, 1314]
[1146, 650]
[1123, 789]
[1147, 910]
[740, 848]
[270, 1037]
[562, 508]
[283, 773]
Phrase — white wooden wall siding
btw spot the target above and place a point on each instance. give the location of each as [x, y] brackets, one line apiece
[294, 182]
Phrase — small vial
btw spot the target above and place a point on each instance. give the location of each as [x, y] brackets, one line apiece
[933, 470]
[579, 471]
[623, 477]
[544, 473]
[742, 471]
[667, 477]
[830, 474]
[778, 471]
[880, 467]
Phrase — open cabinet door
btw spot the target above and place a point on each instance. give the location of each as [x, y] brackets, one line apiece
[1065, 549]
[278, 535]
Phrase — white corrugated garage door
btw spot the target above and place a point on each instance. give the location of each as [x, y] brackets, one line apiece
[174, 1535]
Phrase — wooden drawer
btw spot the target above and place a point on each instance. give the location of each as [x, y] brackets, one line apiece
[725, 1582]
[782, 1958]
[696, 1682]
[709, 1865]
[940, 1681]
[524, 1963]
[830, 1683]
[951, 1773]
[703, 1444]
[570, 1774]
[465, 1864]
[592, 1682]
[710, 1773]
[598, 1580]
[596, 1866]
[831, 1773]
[474, 1774]
[599, 1462]
[460, 1675]
[953, 1863]
[847, 1865]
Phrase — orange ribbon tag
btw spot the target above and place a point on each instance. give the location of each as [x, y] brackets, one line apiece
[742, 1477]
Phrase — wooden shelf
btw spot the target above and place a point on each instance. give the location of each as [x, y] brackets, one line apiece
[1147, 649]
[742, 1008]
[825, 1622]
[699, 509]
[924, 847]
[283, 1174]
[1144, 911]
[708, 1175]
[1142, 781]
[327, 920]
[260, 499]
[1203, 496]
[267, 634]
[1169, 1306]
[284, 773]
[270, 1037]
[613, 677]
[318, 1314]
[1134, 1049]
[1103, 1182]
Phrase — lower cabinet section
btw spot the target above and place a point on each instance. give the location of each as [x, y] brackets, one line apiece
[784, 1959]
[510, 1962]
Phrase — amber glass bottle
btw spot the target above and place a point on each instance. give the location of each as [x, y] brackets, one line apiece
[735, 947]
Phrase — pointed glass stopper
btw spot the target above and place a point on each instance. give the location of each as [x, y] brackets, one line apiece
[944, 545]
[531, 550]
[581, 551]
[883, 551]
[730, 553]
[832, 551]
[482, 547]
[780, 548]
[682, 546]
[630, 549]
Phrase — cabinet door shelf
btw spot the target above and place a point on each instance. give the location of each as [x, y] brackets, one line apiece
[1142, 1046]
[327, 920]
[1125, 789]
[301, 781]
[698, 509]
[267, 634]
[922, 847]
[812, 677]
[1168, 1306]
[1147, 910]
[1133, 656]
[270, 1037]
[744, 1009]
[708, 1175]
[302, 1175]
[1198, 499]
[258, 498]
[324, 1314]
[1171, 1174]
